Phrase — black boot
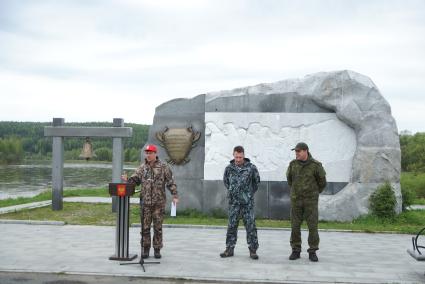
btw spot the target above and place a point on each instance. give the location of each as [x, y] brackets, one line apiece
[146, 252]
[157, 253]
[227, 253]
[253, 254]
[313, 256]
[294, 255]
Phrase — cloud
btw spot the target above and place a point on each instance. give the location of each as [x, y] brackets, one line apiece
[99, 52]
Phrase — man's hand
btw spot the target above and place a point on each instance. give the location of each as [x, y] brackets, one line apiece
[175, 200]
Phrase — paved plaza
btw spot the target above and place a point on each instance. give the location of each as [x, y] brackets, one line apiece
[193, 254]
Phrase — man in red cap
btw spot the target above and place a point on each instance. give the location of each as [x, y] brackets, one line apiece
[154, 175]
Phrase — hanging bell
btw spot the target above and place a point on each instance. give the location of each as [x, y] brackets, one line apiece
[87, 152]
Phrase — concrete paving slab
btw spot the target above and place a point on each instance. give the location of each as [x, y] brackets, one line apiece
[15, 208]
[31, 222]
[193, 253]
[416, 207]
[52, 278]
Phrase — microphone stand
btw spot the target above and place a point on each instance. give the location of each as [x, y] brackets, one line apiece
[141, 262]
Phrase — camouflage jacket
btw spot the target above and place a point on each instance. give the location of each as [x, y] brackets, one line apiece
[306, 179]
[241, 182]
[154, 179]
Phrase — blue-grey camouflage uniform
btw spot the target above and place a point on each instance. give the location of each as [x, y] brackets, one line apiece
[241, 183]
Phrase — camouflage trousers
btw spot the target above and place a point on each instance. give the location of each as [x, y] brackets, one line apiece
[246, 211]
[152, 214]
[304, 210]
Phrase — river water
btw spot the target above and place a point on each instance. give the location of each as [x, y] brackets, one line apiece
[31, 179]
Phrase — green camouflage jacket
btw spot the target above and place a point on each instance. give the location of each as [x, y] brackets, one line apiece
[154, 179]
[241, 182]
[306, 179]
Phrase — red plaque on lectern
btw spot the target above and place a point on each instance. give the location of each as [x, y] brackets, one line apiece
[121, 189]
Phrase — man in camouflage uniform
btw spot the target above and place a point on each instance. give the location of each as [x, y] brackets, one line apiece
[306, 178]
[154, 176]
[241, 178]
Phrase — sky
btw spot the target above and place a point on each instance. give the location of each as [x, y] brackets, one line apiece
[88, 60]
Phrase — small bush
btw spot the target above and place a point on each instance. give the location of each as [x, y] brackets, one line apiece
[383, 202]
[11, 151]
[103, 154]
[408, 196]
[131, 155]
[72, 154]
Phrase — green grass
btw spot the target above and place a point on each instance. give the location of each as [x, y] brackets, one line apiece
[409, 222]
[419, 201]
[47, 195]
[100, 214]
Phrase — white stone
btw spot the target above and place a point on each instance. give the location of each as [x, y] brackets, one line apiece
[351, 202]
[269, 137]
[352, 97]
[358, 103]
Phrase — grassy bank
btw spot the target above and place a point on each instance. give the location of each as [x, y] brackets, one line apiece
[100, 214]
[412, 181]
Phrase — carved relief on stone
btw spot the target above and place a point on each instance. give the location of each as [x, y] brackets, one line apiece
[178, 142]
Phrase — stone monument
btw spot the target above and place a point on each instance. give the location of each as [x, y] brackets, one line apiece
[341, 115]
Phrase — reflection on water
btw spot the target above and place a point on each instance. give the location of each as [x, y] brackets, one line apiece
[28, 180]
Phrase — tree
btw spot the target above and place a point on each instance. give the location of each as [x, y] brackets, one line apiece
[413, 152]
[11, 150]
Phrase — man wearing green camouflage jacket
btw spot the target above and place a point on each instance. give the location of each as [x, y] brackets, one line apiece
[306, 179]
[241, 178]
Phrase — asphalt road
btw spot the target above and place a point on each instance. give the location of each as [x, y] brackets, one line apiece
[52, 278]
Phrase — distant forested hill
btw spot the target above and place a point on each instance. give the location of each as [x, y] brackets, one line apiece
[413, 152]
[24, 140]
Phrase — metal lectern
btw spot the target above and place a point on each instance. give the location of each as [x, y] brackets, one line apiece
[123, 191]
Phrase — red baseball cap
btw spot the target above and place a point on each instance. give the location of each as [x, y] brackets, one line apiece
[151, 147]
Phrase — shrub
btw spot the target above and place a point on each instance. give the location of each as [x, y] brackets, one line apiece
[103, 154]
[383, 202]
[131, 155]
[11, 150]
[72, 154]
[408, 196]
